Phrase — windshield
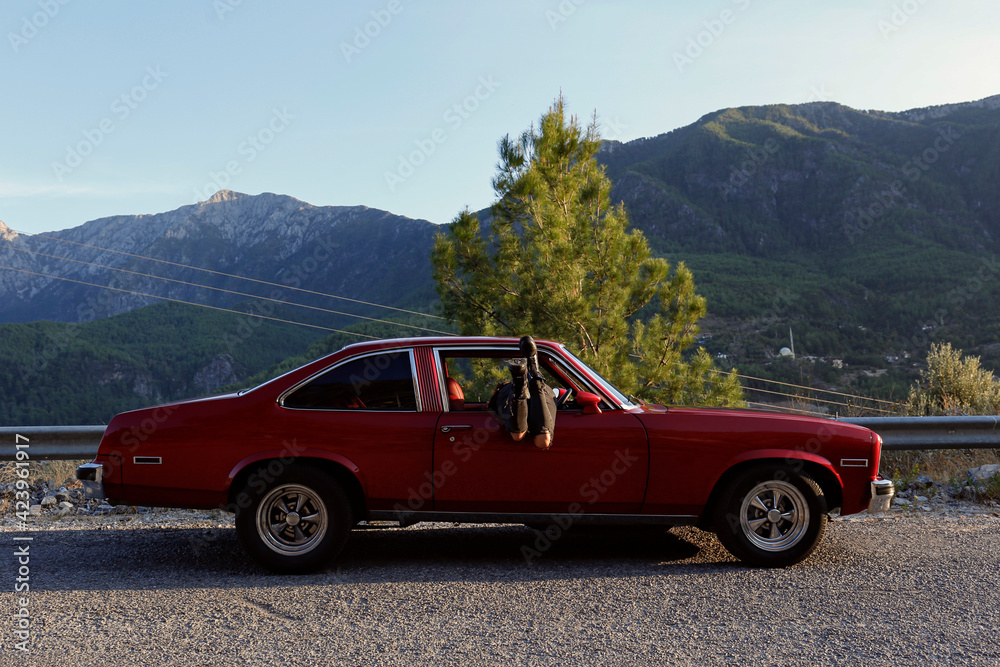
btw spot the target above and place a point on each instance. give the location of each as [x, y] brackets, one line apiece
[605, 385]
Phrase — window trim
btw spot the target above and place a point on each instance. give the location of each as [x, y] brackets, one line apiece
[569, 368]
[329, 369]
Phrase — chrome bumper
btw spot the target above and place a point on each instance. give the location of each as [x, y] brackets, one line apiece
[881, 496]
[92, 476]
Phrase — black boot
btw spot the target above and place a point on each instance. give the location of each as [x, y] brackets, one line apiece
[519, 394]
[530, 353]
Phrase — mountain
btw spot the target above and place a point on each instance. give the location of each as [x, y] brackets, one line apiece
[816, 179]
[354, 252]
[869, 234]
[74, 353]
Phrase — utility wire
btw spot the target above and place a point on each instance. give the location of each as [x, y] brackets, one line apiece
[343, 298]
[220, 289]
[778, 407]
[829, 391]
[190, 303]
[799, 386]
[230, 275]
[818, 400]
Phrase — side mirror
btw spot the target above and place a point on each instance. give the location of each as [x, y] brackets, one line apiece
[589, 402]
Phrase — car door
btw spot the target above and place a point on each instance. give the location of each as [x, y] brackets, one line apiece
[598, 463]
[371, 413]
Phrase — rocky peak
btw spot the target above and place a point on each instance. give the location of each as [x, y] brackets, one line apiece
[225, 195]
[6, 233]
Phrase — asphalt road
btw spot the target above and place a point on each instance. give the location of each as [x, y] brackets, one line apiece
[878, 592]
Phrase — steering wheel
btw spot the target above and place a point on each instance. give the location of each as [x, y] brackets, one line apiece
[563, 399]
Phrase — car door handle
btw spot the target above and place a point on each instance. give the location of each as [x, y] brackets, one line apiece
[455, 427]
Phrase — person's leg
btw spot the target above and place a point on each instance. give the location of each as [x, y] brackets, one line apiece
[542, 408]
[519, 396]
[542, 413]
[501, 404]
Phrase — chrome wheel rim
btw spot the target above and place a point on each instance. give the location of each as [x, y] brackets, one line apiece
[292, 519]
[774, 516]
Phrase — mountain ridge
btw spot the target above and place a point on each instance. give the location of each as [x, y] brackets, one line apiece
[273, 238]
[871, 233]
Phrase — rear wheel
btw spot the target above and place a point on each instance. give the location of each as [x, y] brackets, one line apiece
[771, 516]
[296, 523]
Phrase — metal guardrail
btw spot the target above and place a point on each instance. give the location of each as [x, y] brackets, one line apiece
[898, 434]
[51, 442]
[915, 433]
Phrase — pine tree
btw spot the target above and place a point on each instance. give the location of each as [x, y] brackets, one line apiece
[559, 262]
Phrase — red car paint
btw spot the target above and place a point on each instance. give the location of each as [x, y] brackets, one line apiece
[629, 460]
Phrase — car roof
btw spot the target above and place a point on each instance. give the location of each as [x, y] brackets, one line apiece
[439, 341]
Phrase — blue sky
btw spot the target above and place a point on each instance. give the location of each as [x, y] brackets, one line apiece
[141, 107]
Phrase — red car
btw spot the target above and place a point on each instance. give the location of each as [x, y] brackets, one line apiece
[398, 430]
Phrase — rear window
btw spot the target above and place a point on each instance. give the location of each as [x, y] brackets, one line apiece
[376, 382]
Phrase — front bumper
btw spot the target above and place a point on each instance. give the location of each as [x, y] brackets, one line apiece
[881, 496]
[92, 476]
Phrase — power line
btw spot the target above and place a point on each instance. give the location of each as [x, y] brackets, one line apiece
[231, 275]
[220, 289]
[190, 303]
[799, 386]
[811, 413]
[828, 391]
[819, 400]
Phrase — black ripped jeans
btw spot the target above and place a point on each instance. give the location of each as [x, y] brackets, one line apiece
[525, 408]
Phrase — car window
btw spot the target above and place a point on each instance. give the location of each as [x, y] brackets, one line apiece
[376, 382]
[479, 375]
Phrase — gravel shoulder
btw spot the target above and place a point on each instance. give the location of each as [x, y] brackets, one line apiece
[173, 587]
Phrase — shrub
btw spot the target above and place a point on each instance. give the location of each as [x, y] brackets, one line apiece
[953, 385]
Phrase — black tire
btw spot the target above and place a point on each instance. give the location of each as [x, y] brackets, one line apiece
[295, 523]
[761, 534]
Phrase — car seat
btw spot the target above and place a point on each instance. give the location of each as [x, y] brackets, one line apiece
[456, 397]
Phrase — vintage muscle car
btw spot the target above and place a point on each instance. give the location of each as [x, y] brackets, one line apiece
[398, 431]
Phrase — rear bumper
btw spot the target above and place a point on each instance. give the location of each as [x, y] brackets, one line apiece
[882, 491]
[92, 476]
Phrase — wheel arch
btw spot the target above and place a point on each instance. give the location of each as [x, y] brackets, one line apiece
[816, 470]
[349, 480]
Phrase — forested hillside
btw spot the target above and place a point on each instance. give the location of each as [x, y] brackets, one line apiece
[868, 234]
[59, 373]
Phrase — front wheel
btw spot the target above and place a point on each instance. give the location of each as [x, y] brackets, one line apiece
[296, 523]
[771, 516]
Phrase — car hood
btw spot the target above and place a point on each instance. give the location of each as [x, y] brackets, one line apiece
[749, 419]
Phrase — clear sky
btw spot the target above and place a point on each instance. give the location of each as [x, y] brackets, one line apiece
[142, 106]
